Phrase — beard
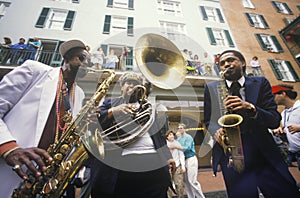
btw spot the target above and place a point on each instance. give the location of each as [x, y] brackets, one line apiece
[234, 75]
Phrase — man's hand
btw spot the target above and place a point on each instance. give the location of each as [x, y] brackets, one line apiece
[218, 135]
[235, 103]
[123, 108]
[28, 157]
[278, 131]
[294, 128]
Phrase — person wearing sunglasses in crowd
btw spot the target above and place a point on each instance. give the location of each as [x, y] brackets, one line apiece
[33, 98]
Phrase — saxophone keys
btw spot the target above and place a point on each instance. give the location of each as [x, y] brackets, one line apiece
[50, 186]
[64, 148]
[58, 157]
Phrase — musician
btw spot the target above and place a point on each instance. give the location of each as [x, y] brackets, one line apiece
[265, 168]
[139, 169]
[31, 97]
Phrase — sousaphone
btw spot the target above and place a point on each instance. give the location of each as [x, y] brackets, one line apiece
[160, 61]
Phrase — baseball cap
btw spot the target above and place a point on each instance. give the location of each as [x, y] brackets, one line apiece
[130, 76]
[278, 88]
[66, 46]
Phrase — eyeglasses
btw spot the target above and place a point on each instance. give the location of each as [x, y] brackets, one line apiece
[81, 57]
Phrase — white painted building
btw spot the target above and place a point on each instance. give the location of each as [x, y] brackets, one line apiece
[197, 25]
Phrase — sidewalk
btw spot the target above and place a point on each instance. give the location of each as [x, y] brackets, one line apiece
[214, 187]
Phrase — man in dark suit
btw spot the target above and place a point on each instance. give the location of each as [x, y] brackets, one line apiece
[264, 168]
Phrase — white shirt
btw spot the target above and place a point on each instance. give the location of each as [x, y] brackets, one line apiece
[292, 116]
[177, 154]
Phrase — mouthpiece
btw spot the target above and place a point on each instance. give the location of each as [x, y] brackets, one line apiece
[225, 71]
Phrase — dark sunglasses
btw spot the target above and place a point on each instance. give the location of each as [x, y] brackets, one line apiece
[81, 57]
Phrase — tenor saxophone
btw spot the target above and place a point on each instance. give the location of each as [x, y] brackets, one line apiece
[231, 140]
[68, 153]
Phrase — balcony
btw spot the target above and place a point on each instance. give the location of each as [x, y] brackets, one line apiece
[11, 58]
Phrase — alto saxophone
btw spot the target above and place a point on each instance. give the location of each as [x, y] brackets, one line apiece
[231, 140]
[68, 153]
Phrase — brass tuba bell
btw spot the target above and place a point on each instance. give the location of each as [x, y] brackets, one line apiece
[160, 61]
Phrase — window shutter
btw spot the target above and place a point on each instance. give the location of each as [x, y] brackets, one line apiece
[204, 15]
[110, 3]
[42, 18]
[220, 15]
[294, 74]
[261, 42]
[130, 26]
[275, 69]
[106, 28]
[288, 9]
[69, 20]
[211, 36]
[264, 21]
[130, 4]
[230, 41]
[249, 19]
[275, 6]
[129, 59]
[277, 44]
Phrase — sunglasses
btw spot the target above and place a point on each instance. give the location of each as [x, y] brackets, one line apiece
[81, 57]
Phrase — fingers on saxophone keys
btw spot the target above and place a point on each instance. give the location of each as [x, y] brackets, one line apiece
[18, 169]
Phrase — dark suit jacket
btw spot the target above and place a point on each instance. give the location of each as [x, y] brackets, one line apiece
[257, 92]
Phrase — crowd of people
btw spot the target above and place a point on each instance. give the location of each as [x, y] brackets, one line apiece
[38, 97]
[204, 66]
[19, 52]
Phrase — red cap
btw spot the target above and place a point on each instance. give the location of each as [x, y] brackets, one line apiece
[278, 88]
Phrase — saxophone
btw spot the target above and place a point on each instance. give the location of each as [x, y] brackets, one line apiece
[68, 153]
[231, 140]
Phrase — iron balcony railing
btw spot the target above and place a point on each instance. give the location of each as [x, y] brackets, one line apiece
[14, 57]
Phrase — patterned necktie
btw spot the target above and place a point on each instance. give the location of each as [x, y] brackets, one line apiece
[235, 89]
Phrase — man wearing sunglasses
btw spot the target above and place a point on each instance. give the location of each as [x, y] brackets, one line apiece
[264, 167]
[33, 98]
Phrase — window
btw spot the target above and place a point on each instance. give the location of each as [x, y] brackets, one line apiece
[287, 21]
[257, 20]
[269, 43]
[282, 7]
[248, 4]
[283, 70]
[219, 37]
[56, 19]
[169, 7]
[123, 4]
[173, 31]
[116, 24]
[211, 14]
[3, 7]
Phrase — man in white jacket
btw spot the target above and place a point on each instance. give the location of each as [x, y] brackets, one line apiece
[30, 98]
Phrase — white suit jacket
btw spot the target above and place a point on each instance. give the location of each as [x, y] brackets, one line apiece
[26, 96]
